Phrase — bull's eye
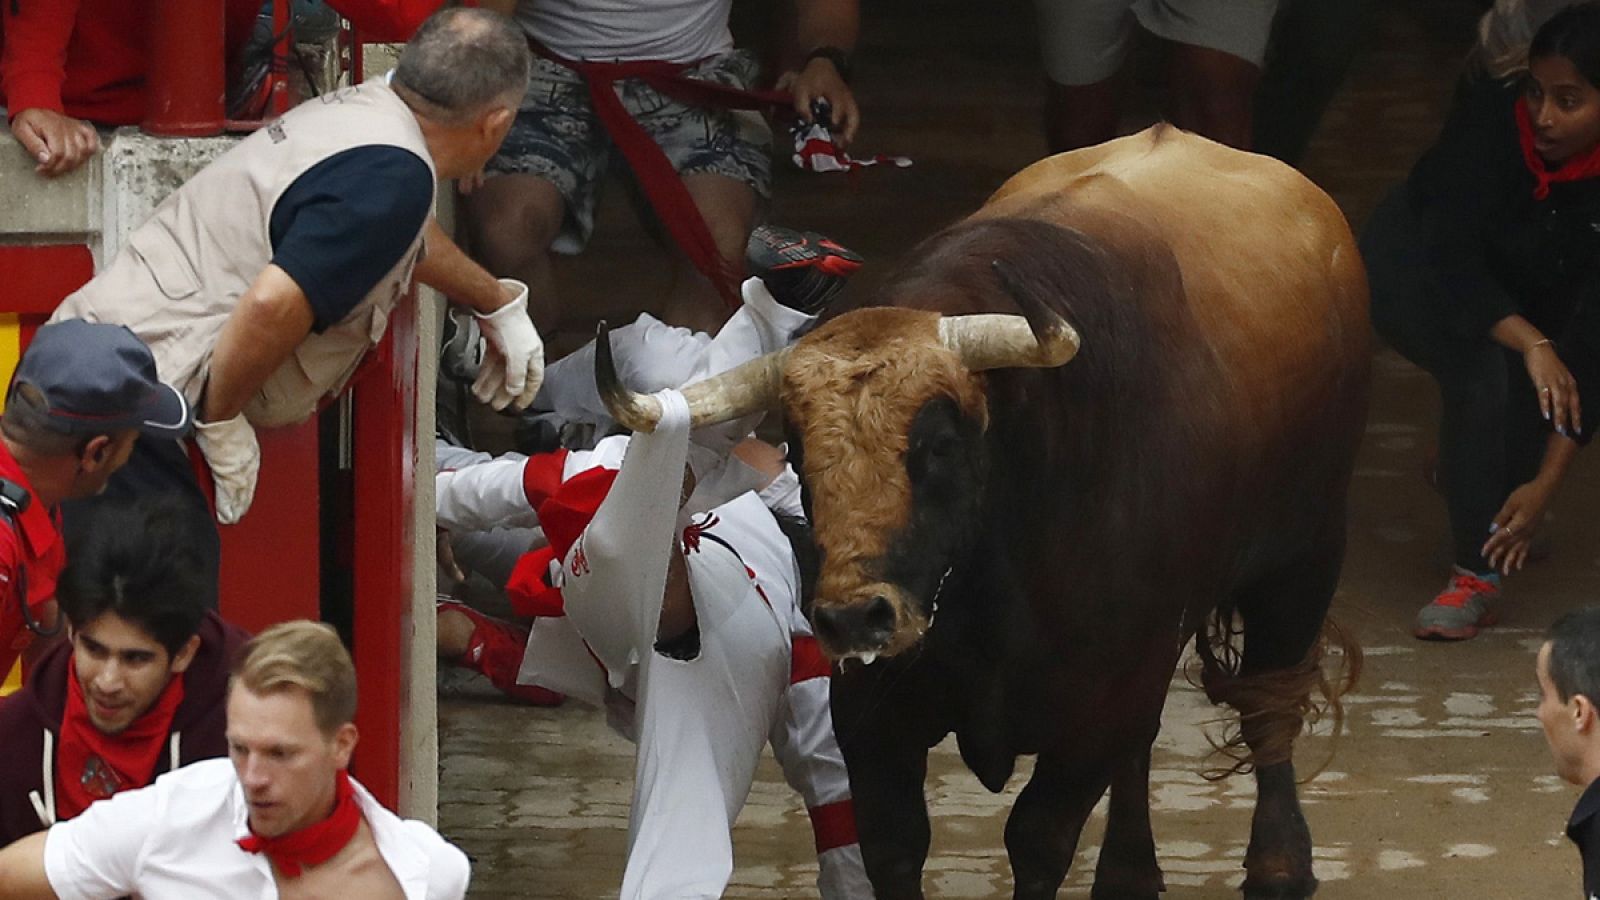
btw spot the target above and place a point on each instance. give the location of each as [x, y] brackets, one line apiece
[936, 454]
[933, 459]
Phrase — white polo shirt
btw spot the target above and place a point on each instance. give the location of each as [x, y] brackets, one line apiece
[175, 840]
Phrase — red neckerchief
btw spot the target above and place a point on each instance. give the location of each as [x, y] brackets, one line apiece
[314, 844]
[671, 201]
[92, 765]
[1575, 169]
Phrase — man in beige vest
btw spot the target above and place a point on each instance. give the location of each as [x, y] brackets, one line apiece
[261, 283]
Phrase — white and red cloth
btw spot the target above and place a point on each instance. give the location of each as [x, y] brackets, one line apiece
[816, 151]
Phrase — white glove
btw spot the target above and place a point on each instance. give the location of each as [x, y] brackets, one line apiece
[513, 366]
[231, 451]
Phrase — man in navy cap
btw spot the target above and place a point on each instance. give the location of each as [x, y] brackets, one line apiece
[82, 394]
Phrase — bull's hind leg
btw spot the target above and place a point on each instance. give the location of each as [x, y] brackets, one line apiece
[1283, 619]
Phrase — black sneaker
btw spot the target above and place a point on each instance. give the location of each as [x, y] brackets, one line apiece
[802, 269]
[462, 349]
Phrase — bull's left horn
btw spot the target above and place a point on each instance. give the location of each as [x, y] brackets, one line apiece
[1039, 340]
[999, 341]
[749, 388]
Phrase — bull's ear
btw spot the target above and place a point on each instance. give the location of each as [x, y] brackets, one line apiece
[1041, 318]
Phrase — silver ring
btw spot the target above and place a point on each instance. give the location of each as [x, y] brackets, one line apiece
[1544, 390]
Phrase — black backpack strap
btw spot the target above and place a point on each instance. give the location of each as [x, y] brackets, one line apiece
[14, 501]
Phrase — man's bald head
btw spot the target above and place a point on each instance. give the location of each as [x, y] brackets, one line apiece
[461, 62]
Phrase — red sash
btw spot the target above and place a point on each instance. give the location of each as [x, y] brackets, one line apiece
[314, 844]
[92, 765]
[1575, 169]
[660, 182]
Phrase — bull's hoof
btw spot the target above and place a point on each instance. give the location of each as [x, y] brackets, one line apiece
[1279, 888]
[1111, 883]
[1125, 893]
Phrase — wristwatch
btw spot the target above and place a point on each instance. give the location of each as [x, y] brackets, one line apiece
[839, 58]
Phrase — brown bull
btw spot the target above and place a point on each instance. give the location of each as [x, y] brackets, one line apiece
[1034, 546]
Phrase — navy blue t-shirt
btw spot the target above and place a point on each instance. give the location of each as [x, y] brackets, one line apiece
[1584, 830]
[346, 221]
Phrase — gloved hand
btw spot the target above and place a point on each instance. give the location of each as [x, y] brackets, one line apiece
[231, 451]
[513, 364]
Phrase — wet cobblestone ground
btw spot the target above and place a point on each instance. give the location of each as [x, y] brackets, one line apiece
[1439, 787]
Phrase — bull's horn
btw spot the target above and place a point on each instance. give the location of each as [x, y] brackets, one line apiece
[1039, 339]
[745, 389]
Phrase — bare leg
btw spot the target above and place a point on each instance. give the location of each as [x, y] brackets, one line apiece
[510, 222]
[1081, 115]
[729, 208]
[455, 634]
[1313, 44]
[1213, 93]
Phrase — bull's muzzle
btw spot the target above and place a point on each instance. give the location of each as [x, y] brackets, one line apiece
[862, 626]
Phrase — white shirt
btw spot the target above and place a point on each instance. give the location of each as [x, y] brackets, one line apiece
[175, 840]
[678, 31]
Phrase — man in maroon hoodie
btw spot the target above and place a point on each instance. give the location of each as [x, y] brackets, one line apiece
[141, 687]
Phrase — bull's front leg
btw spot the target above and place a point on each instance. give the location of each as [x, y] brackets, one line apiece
[1128, 869]
[1043, 829]
[887, 757]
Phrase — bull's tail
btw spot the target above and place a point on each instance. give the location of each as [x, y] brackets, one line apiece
[1272, 706]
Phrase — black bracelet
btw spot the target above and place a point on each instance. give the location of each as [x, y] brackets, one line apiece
[839, 58]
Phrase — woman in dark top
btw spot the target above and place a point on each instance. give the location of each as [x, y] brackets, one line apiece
[1485, 271]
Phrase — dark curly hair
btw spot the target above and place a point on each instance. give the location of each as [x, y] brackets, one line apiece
[138, 560]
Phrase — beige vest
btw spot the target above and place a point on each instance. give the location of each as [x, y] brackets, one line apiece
[182, 271]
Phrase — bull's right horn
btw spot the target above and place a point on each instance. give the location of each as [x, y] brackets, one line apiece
[740, 391]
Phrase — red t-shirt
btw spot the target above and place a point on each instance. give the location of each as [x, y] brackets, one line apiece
[31, 550]
[86, 58]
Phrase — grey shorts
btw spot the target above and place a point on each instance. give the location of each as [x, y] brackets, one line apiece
[558, 137]
[1085, 41]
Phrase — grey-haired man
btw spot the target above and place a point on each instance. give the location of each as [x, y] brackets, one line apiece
[262, 282]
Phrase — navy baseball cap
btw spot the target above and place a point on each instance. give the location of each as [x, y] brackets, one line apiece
[98, 378]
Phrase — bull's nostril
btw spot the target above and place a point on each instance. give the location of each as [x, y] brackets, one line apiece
[879, 615]
[829, 627]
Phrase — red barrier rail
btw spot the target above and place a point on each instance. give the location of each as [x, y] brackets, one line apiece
[185, 85]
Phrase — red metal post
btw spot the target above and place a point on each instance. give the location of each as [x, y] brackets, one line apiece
[385, 541]
[278, 101]
[271, 560]
[185, 84]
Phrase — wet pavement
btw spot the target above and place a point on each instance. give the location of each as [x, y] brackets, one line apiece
[1440, 785]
